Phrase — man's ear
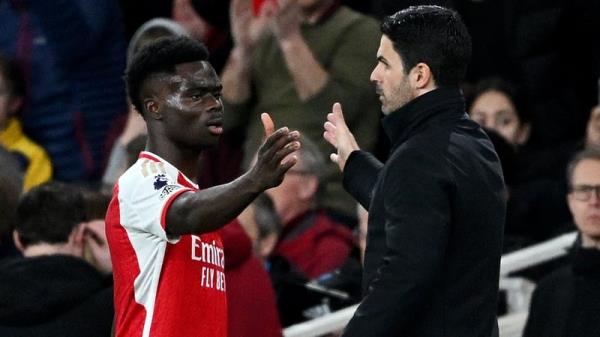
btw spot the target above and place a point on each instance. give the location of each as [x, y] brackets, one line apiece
[17, 240]
[152, 108]
[570, 203]
[422, 77]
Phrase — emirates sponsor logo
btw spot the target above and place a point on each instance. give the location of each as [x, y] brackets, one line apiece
[213, 256]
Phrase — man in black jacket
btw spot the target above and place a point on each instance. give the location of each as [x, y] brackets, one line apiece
[567, 302]
[52, 290]
[436, 207]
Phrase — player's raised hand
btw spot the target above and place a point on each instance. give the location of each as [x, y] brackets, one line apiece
[275, 156]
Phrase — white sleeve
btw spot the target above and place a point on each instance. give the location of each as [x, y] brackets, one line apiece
[145, 200]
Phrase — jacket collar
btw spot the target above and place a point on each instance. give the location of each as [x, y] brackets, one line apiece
[439, 104]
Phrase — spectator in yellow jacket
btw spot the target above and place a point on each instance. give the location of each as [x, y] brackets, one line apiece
[33, 158]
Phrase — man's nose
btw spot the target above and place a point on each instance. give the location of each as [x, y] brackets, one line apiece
[373, 76]
[215, 103]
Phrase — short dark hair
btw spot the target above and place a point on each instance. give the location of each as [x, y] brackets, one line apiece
[160, 56]
[511, 90]
[49, 213]
[13, 77]
[433, 35]
[95, 203]
[592, 153]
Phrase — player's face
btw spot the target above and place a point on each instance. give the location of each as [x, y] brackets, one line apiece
[192, 106]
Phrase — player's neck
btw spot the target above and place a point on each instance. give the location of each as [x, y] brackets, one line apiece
[185, 161]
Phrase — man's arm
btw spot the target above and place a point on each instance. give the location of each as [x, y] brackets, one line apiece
[245, 31]
[236, 76]
[207, 210]
[417, 223]
[308, 74]
[360, 176]
[348, 66]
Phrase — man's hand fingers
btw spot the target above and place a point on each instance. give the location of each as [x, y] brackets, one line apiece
[274, 138]
[285, 166]
[329, 134]
[285, 151]
[290, 141]
[276, 142]
[338, 113]
[268, 124]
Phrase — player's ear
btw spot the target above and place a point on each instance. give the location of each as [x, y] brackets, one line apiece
[152, 108]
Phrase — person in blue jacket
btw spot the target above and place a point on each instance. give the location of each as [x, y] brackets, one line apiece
[72, 54]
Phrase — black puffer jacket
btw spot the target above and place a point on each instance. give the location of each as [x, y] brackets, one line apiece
[54, 295]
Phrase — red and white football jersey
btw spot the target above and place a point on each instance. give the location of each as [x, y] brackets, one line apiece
[164, 286]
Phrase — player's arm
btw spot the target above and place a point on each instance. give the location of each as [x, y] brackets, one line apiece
[209, 209]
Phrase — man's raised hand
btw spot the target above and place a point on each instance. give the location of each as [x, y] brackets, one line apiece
[338, 135]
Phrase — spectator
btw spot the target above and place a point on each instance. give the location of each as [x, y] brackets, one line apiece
[567, 302]
[536, 207]
[251, 302]
[53, 291]
[72, 55]
[531, 44]
[262, 224]
[96, 250]
[293, 60]
[33, 158]
[499, 106]
[311, 241]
